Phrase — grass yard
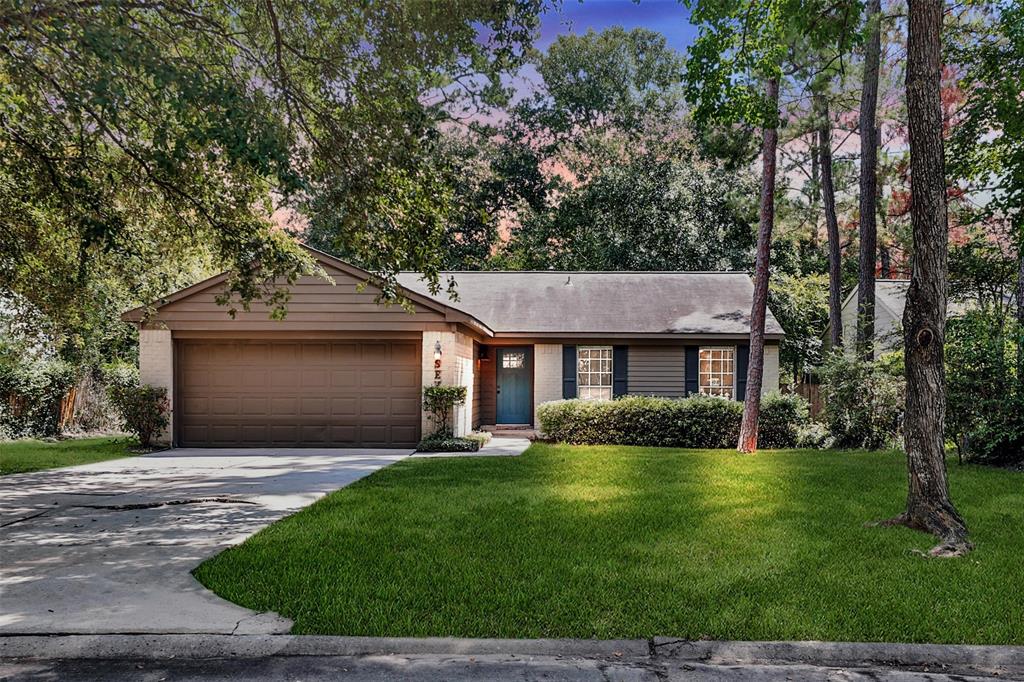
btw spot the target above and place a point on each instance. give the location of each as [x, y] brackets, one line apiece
[20, 456]
[613, 542]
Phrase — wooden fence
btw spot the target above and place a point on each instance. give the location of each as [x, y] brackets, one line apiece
[812, 393]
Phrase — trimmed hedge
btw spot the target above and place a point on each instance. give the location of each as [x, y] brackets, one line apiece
[697, 422]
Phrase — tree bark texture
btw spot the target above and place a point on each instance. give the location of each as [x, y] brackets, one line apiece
[755, 369]
[929, 507]
[868, 183]
[828, 191]
[1020, 314]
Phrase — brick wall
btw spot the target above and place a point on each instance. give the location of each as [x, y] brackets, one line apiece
[456, 370]
[547, 375]
[156, 368]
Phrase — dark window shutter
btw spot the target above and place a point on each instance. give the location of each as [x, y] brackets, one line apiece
[742, 364]
[620, 370]
[568, 371]
[692, 370]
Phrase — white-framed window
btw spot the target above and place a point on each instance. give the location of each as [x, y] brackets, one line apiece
[594, 372]
[717, 370]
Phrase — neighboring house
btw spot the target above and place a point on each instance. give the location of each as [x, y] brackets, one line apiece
[890, 300]
[343, 370]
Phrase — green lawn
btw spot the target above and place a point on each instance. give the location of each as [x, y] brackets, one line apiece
[19, 456]
[612, 542]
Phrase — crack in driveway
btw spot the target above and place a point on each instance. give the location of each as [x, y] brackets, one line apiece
[162, 503]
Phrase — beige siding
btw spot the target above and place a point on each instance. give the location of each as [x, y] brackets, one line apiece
[547, 375]
[156, 368]
[770, 378]
[464, 376]
[657, 370]
[887, 328]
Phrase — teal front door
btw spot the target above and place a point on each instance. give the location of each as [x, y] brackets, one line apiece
[515, 399]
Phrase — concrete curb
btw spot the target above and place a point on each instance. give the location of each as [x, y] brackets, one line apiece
[991, 660]
[981, 658]
[247, 646]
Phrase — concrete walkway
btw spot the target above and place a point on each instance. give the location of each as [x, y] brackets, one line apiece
[108, 547]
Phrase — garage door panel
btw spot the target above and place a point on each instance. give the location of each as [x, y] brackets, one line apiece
[406, 434]
[375, 352]
[255, 406]
[405, 407]
[374, 435]
[299, 393]
[344, 353]
[254, 378]
[373, 378]
[250, 434]
[314, 378]
[287, 353]
[402, 378]
[314, 407]
[195, 405]
[405, 353]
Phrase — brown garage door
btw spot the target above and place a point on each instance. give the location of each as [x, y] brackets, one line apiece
[299, 393]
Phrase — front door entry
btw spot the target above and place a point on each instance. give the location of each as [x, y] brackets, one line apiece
[515, 399]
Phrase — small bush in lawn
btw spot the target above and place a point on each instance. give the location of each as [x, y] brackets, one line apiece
[436, 443]
[782, 416]
[813, 435]
[143, 409]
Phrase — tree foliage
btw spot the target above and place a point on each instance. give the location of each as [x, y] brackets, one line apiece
[600, 94]
[987, 143]
[131, 128]
[651, 214]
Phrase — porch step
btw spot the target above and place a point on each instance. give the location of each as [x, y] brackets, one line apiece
[511, 431]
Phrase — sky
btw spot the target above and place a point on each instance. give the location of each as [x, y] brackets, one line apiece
[667, 17]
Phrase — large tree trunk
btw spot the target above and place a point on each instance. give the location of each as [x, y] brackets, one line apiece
[929, 507]
[755, 369]
[1020, 313]
[868, 183]
[828, 191]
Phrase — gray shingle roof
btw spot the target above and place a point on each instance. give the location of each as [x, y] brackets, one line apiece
[549, 302]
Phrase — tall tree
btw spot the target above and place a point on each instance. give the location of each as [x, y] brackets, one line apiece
[828, 191]
[733, 74]
[869, 182]
[737, 65]
[758, 311]
[929, 506]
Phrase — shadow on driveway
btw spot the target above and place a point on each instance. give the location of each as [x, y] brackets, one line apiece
[108, 547]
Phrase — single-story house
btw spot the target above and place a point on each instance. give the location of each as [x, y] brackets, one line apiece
[344, 370]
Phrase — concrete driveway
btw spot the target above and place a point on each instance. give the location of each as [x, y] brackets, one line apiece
[108, 547]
